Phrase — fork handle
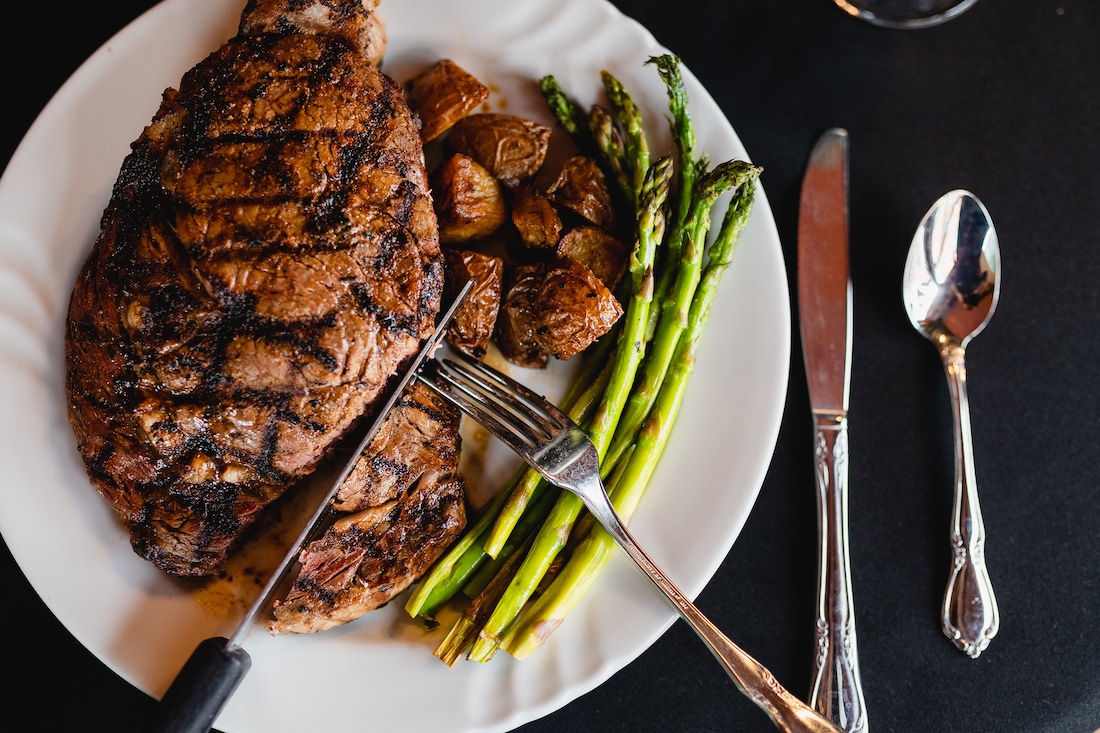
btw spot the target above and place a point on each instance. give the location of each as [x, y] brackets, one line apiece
[789, 714]
[836, 691]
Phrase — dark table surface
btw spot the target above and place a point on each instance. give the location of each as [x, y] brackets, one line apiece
[1003, 101]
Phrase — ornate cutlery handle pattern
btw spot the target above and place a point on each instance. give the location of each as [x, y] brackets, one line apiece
[837, 692]
[787, 712]
[970, 615]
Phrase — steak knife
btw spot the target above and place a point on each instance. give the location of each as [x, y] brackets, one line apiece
[825, 320]
[218, 665]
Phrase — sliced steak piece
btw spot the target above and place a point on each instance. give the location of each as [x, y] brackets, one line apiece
[269, 258]
[418, 437]
[403, 505]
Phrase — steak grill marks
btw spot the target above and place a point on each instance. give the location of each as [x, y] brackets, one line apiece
[401, 505]
[268, 259]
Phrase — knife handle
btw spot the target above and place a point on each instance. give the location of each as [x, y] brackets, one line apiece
[837, 692]
[201, 689]
[970, 615]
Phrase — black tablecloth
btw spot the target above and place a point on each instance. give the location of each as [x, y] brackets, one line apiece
[1003, 101]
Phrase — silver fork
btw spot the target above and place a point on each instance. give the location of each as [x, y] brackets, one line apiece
[565, 456]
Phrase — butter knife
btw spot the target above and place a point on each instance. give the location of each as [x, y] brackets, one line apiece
[825, 320]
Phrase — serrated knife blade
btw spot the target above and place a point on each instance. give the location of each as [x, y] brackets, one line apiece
[825, 321]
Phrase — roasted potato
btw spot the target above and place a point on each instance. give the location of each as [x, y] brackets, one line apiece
[535, 218]
[582, 188]
[518, 319]
[474, 321]
[596, 249]
[511, 148]
[537, 293]
[573, 309]
[469, 202]
[443, 95]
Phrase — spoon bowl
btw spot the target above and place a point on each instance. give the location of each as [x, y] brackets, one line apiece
[950, 287]
[952, 275]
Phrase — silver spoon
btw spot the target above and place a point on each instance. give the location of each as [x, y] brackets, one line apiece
[950, 286]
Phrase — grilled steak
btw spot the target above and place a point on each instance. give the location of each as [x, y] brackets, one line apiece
[269, 258]
[402, 505]
[352, 21]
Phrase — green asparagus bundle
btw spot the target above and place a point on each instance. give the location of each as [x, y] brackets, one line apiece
[533, 553]
[586, 563]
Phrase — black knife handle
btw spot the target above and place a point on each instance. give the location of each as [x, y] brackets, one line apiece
[201, 689]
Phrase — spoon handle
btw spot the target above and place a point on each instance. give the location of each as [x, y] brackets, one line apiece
[970, 616]
[837, 692]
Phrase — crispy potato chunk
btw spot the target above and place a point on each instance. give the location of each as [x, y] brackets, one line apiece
[573, 309]
[582, 188]
[442, 95]
[596, 249]
[518, 319]
[468, 201]
[475, 320]
[511, 148]
[535, 218]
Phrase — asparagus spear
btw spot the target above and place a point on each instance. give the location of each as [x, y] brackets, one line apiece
[485, 539]
[568, 114]
[578, 404]
[632, 343]
[609, 141]
[455, 567]
[634, 137]
[592, 555]
[674, 309]
[552, 537]
[683, 134]
[595, 134]
[532, 518]
[465, 630]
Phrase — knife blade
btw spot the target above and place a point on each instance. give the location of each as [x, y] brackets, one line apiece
[825, 321]
[218, 665]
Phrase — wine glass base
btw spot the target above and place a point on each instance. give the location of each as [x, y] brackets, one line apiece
[904, 13]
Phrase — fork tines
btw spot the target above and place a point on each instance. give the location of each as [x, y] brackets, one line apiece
[507, 408]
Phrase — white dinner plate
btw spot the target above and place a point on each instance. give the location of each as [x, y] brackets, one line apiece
[142, 623]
